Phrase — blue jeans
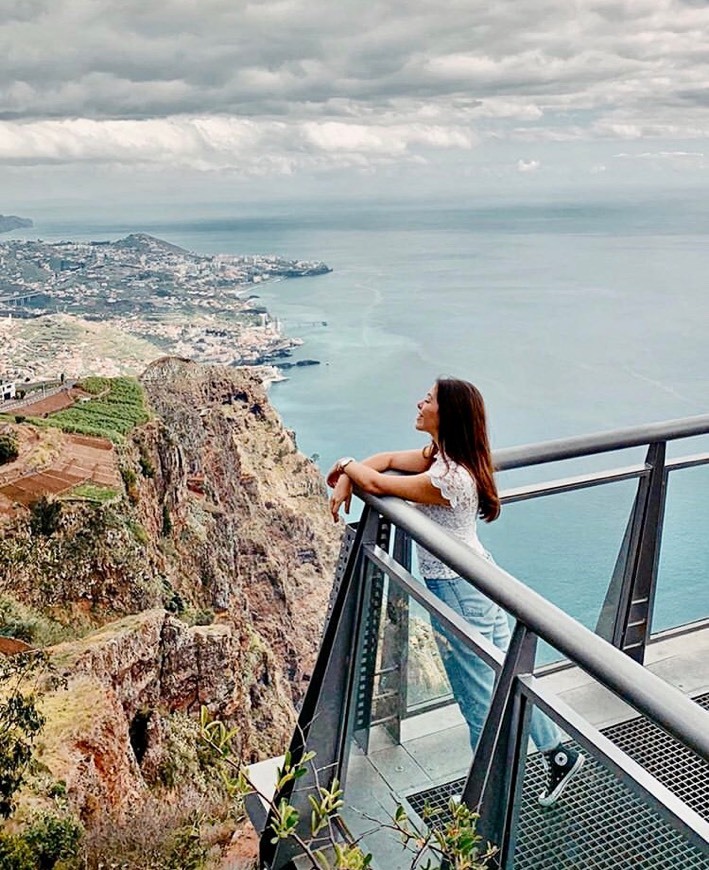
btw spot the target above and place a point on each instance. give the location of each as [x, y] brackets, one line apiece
[470, 678]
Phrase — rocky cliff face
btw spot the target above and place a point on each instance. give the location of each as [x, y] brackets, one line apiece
[204, 583]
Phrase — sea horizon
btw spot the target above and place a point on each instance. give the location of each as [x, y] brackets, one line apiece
[572, 318]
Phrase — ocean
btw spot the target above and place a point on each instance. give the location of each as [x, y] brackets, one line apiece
[571, 318]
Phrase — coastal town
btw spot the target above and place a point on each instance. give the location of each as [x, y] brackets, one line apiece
[109, 308]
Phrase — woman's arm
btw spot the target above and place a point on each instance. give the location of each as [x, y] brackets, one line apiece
[413, 487]
[412, 461]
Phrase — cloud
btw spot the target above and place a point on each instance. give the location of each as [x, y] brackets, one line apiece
[218, 143]
[528, 165]
[279, 85]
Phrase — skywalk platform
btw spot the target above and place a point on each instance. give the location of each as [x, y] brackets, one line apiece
[635, 703]
[596, 816]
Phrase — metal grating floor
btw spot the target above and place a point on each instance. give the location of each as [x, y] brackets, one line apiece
[599, 824]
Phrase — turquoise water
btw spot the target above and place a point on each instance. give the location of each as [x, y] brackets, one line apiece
[570, 319]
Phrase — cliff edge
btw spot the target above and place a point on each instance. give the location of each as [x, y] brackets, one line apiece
[204, 581]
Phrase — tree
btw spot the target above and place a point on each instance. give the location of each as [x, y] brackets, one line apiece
[20, 720]
[45, 516]
[9, 448]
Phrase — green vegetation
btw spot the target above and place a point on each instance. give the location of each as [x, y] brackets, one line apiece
[23, 623]
[130, 481]
[92, 492]
[118, 408]
[449, 841]
[166, 521]
[45, 516]
[20, 721]
[96, 385]
[9, 448]
[138, 531]
[48, 842]
[147, 468]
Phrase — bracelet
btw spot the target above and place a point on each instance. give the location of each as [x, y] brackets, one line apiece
[345, 461]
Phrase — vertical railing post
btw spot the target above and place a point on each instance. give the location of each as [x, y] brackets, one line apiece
[325, 721]
[393, 670]
[492, 784]
[373, 581]
[626, 615]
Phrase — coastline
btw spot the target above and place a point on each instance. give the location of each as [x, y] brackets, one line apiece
[64, 307]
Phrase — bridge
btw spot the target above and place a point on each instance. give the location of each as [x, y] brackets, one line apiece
[21, 296]
[633, 701]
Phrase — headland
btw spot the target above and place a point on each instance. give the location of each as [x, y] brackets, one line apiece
[110, 308]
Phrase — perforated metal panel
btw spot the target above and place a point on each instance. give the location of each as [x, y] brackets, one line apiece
[599, 824]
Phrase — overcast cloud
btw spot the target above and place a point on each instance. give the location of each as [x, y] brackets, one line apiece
[310, 86]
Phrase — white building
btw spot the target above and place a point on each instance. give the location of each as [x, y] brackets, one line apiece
[7, 390]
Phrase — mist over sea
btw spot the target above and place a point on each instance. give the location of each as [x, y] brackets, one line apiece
[571, 318]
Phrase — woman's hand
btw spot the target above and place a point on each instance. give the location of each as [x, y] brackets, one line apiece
[342, 494]
[333, 475]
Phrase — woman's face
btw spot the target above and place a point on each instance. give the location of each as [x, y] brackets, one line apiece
[427, 417]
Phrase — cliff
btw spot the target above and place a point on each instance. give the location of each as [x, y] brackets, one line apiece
[204, 581]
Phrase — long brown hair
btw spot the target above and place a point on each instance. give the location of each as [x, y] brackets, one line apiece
[463, 438]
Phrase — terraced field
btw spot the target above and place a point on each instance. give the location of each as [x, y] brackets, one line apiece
[81, 459]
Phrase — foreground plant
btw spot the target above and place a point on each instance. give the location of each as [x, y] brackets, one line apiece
[20, 720]
[451, 842]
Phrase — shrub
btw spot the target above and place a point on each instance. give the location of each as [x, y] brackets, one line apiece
[20, 418]
[9, 448]
[15, 853]
[23, 623]
[49, 842]
[130, 480]
[52, 838]
[139, 533]
[171, 598]
[158, 835]
[147, 468]
[166, 521]
[45, 516]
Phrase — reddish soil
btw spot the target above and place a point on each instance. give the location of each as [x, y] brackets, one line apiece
[81, 459]
[52, 404]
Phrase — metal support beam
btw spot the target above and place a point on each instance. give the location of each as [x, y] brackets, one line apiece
[325, 719]
[391, 707]
[372, 581]
[491, 784]
[626, 615]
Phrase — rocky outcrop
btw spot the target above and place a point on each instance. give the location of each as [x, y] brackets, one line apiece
[107, 723]
[204, 584]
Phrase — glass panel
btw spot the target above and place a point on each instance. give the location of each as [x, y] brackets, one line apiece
[564, 546]
[683, 583]
[390, 754]
[426, 677]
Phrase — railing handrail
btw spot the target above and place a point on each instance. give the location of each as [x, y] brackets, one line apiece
[651, 696]
[600, 442]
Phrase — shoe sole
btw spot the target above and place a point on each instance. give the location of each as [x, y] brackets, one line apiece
[550, 799]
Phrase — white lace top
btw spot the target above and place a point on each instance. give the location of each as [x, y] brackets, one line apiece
[457, 485]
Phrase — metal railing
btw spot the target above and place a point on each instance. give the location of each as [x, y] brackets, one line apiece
[374, 578]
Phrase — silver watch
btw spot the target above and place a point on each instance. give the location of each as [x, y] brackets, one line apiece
[345, 461]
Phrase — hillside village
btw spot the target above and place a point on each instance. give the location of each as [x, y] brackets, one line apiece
[57, 298]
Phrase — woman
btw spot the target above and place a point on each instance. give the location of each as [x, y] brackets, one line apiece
[451, 481]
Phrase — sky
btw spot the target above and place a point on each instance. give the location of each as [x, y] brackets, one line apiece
[215, 100]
